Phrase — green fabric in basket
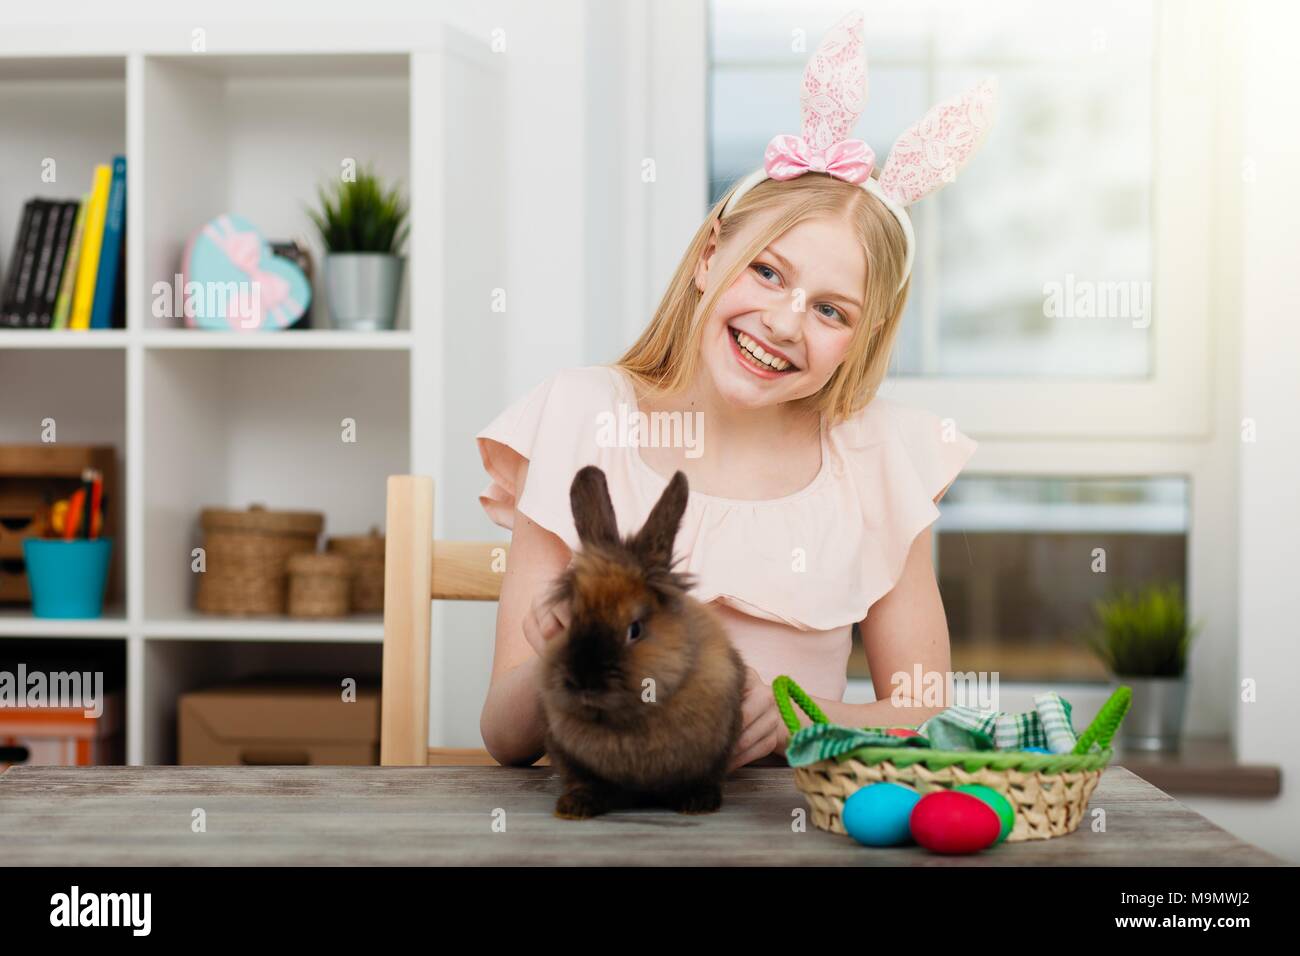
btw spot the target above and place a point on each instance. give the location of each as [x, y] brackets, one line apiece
[957, 728]
[822, 741]
[1048, 725]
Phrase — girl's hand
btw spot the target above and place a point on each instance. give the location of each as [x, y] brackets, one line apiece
[544, 621]
[762, 729]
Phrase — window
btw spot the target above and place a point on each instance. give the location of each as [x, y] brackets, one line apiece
[1021, 559]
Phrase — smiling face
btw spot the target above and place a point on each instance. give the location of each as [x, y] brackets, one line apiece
[784, 326]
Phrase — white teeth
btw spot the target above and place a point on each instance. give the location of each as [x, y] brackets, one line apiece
[756, 350]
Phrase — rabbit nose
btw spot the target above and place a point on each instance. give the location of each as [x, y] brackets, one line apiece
[592, 662]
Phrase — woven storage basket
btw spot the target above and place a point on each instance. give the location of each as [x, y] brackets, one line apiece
[319, 585]
[247, 554]
[1048, 792]
[365, 552]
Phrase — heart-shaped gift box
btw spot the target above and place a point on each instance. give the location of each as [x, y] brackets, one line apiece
[233, 280]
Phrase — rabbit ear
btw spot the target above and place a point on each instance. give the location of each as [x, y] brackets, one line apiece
[930, 153]
[593, 512]
[654, 542]
[834, 90]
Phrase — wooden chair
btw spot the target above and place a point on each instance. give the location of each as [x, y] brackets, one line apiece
[417, 571]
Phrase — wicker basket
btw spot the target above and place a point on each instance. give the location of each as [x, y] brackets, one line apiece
[247, 554]
[366, 554]
[319, 585]
[1048, 792]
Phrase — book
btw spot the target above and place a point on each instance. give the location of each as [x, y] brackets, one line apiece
[119, 296]
[44, 259]
[112, 248]
[8, 297]
[65, 213]
[63, 304]
[83, 297]
[27, 265]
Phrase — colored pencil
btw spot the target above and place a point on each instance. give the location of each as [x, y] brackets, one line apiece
[96, 499]
[73, 518]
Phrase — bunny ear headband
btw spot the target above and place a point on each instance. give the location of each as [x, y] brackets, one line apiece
[926, 157]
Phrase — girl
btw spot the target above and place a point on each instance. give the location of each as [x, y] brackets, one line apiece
[811, 498]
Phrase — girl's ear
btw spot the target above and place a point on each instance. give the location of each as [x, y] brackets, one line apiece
[706, 259]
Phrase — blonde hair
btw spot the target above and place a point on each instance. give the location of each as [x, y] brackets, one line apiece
[665, 357]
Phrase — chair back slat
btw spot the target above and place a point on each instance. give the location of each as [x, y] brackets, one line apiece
[417, 571]
[468, 570]
[408, 565]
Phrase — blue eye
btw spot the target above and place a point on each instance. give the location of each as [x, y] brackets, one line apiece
[763, 269]
[834, 312]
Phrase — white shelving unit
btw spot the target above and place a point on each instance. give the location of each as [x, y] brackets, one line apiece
[204, 419]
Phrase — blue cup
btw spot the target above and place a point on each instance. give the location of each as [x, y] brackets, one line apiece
[67, 578]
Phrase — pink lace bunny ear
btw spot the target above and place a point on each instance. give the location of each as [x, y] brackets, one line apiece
[929, 154]
[834, 93]
[834, 90]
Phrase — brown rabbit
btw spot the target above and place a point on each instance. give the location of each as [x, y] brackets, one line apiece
[642, 691]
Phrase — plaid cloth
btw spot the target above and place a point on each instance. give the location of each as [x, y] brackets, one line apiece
[964, 728]
[957, 728]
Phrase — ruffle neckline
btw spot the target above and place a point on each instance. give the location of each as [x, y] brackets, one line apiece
[816, 559]
[624, 383]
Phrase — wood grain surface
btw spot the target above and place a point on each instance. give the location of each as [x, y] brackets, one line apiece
[87, 816]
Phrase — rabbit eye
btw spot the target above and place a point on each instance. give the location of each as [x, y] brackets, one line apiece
[633, 631]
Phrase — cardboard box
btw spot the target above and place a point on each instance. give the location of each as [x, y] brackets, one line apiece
[62, 736]
[278, 722]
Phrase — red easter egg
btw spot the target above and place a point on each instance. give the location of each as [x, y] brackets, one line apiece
[901, 732]
[946, 821]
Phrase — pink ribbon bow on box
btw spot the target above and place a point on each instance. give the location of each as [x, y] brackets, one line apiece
[244, 249]
[789, 156]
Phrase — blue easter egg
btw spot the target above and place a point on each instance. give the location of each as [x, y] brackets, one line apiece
[1036, 750]
[879, 814]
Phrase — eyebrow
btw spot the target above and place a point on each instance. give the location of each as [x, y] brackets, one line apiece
[853, 303]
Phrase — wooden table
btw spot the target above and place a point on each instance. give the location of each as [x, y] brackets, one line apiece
[66, 816]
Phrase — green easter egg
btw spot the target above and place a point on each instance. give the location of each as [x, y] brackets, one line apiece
[1000, 804]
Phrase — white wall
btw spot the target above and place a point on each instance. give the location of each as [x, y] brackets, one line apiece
[1268, 730]
[548, 200]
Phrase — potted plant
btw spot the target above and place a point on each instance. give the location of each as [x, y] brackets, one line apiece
[363, 226]
[1143, 641]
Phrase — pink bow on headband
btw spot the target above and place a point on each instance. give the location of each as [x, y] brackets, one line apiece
[790, 156]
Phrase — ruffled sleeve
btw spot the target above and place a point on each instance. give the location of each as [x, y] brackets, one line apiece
[937, 450]
[549, 430]
[900, 458]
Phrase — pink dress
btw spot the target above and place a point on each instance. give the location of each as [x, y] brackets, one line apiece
[787, 576]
